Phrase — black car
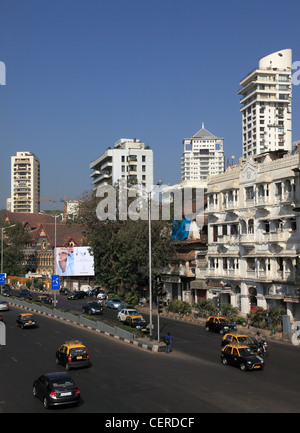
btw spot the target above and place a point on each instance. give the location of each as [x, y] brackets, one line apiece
[73, 354]
[5, 290]
[78, 294]
[242, 357]
[64, 291]
[95, 291]
[26, 320]
[24, 294]
[218, 324]
[92, 308]
[137, 322]
[55, 389]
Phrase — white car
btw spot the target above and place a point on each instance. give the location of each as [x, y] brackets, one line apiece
[4, 306]
[127, 312]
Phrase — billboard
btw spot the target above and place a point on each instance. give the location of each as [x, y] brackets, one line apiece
[74, 262]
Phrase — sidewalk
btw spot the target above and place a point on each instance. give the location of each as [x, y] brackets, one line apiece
[200, 321]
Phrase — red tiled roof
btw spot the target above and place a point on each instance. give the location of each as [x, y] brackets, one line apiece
[33, 220]
[38, 222]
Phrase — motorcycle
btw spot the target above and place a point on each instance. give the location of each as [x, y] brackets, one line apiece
[262, 348]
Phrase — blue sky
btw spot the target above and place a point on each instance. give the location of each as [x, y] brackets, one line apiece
[80, 74]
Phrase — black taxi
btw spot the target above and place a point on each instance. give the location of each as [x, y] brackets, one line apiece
[241, 356]
[137, 322]
[241, 339]
[218, 324]
[26, 320]
[73, 354]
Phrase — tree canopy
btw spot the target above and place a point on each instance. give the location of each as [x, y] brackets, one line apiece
[14, 241]
[121, 247]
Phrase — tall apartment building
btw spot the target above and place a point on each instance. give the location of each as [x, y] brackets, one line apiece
[129, 160]
[25, 183]
[267, 105]
[202, 156]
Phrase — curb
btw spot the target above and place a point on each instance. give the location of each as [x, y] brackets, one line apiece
[141, 344]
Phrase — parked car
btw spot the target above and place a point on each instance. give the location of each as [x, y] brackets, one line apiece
[137, 322]
[55, 389]
[242, 357]
[127, 312]
[4, 306]
[26, 320]
[77, 294]
[92, 308]
[113, 302]
[6, 292]
[25, 296]
[218, 324]
[73, 354]
[64, 291]
[46, 299]
[95, 291]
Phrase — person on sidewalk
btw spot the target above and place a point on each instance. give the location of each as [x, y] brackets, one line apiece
[168, 341]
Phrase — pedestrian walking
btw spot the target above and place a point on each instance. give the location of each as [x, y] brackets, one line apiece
[168, 341]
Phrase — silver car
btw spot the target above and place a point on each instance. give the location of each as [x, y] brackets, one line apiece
[4, 306]
[113, 303]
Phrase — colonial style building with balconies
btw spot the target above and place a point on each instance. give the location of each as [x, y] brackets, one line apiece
[254, 233]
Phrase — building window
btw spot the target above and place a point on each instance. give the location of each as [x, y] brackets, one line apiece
[249, 193]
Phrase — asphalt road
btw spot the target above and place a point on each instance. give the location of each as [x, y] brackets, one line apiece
[126, 379]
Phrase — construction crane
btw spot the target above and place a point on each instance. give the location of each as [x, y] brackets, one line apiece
[65, 201]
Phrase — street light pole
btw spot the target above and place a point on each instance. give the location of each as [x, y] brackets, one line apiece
[55, 216]
[150, 264]
[53, 271]
[150, 260]
[150, 256]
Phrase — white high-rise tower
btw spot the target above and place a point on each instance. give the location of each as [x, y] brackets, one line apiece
[267, 105]
[203, 155]
[25, 183]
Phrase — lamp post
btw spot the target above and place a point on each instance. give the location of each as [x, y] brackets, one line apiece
[150, 259]
[53, 272]
[150, 252]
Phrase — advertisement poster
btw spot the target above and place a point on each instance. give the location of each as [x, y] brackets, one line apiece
[74, 261]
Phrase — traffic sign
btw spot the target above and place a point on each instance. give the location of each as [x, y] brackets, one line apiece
[2, 278]
[55, 282]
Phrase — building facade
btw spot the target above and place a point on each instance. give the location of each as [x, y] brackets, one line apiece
[202, 156]
[25, 183]
[266, 105]
[129, 160]
[254, 234]
[45, 235]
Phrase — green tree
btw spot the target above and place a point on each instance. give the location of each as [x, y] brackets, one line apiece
[14, 241]
[120, 248]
